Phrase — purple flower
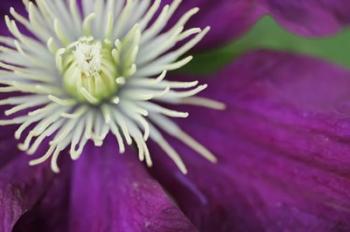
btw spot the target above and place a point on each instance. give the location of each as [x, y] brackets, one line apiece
[281, 143]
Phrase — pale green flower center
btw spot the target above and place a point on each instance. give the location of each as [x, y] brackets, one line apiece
[89, 71]
[99, 71]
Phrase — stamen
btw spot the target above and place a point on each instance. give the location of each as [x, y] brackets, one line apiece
[43, 158]
[121, 122]
[175, 131]
[115, 131]
[87, 24]
[133, 112]
[103, 70]
[48, 132]
[204, 102]
[77, 137]
[151, 107]
[158, 138]
[25, 105]
[59, 32]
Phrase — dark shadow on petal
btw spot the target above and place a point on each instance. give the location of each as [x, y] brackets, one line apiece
[51, 212]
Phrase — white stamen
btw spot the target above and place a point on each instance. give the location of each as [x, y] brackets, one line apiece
[99, 71]
[204, 102]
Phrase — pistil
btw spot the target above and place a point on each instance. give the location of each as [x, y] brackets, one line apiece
[88, 70]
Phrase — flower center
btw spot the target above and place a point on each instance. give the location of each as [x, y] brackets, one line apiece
[88, 57]
[111, 80]
[88, 69]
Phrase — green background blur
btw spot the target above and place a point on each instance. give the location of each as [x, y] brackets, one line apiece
[268, 34]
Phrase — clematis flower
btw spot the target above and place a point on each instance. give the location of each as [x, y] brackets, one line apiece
[280, 149]
[85, 81]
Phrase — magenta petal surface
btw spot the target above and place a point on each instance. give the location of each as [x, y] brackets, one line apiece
[311, 17]
[228, 19]
[51, 212]
[5, 6]
[21, 187]
[113, 192]
[282, 144]
[8, 146]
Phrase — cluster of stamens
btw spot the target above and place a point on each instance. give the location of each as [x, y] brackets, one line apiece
[102, 73]
[88, 70]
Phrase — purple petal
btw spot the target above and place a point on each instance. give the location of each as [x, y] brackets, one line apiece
[282, 145]
[21, 187]
[51, 212]
[5, 10]
[312, 17]
[8, 146]
[228, 19]
[113, 192]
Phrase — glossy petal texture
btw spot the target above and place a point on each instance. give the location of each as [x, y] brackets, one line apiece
[310, 17]
[282, 144]
[113, 192]
[21, 187]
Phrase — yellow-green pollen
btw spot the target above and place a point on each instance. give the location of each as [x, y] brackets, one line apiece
[89, 70]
